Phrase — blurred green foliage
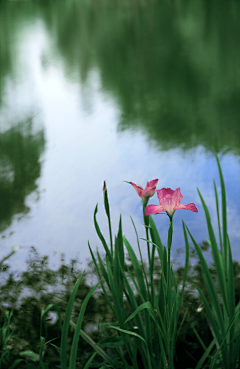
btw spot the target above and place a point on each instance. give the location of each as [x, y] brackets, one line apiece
[26, 294]
[20, 167]
[171, 67]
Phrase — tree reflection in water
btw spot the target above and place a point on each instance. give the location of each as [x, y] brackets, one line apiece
[20, 167]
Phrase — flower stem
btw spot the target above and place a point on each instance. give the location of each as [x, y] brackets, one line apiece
[169, 286]
[170, 233]
[146, 223]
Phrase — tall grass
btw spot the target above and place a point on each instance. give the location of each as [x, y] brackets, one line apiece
[148, 331]
[145, 327]
[222, 314]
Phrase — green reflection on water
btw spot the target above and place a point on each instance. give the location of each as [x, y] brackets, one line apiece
[20, 148]
[19, 169]
[172, 68]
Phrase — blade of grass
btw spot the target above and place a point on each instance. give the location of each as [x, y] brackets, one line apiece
[224, 210]
[155, 237]
[103, 288]
[218, 217]
[136, 267]
[88, 363]
[199, 339]
[45, 311]
[119, 308]
[119, 261]
[138, 319]
[15, 364]
[231, 296]
[138, 336]
[113, 342]
[103, 269]
[145, 305]
[211, 290]
[107, 210]
[92, 343]
[66, 322]
[186, 259]
[100, 235]
[143, 289]
[182, 321]
[139, 249]
[231, 325]
[206, 354]
[73, 355]
[216, 255]
[123, 363]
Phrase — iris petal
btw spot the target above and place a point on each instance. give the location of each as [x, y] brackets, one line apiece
[169, 201]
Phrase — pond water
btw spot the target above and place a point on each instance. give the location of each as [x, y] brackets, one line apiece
[96, 90]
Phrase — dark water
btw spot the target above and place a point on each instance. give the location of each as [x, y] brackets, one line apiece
[98, 90]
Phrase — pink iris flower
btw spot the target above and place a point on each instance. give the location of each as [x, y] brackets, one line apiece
[146, 193]
[169, 201]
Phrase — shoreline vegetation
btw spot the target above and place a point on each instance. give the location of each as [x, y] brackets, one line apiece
[138, 314]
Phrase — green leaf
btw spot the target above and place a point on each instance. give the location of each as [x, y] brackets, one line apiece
[140, 252]
[119, 308]
[218, 217]
[216, 254]
[32, 366]
[119, 261]
[145, 305]
[66, 322]
[231, 298]
[206, 354]
[186, 259]
[138, 336]
[107, 210]
[137, 268]
[156, 238]
[73, 355]
[199, 339]
[51, 307]
[98, 349]
[103, 288]
[224, 210]
[113, 342]
[211, 291]
[127, 332]
[143, 289]
[100, 235]
[41, 352]
[102, 268]
[31, 355]
[88, 363]
[15, 363]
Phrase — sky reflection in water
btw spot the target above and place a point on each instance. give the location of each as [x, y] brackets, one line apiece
[85, 146]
